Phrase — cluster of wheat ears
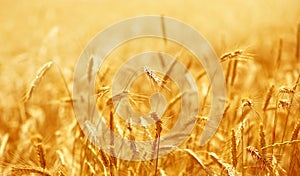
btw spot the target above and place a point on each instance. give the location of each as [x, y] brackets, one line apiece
[257, 136]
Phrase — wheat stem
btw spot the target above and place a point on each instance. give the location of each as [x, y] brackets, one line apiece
[298, 43]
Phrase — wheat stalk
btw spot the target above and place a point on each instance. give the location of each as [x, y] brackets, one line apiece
[298, 42]
[163, 28]
[281, 144]
[295, 150]
[157, 141]
[292, 92]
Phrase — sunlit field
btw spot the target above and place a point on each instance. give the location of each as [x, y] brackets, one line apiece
[258, 46]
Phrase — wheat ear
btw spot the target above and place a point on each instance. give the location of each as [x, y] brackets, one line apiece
[278, 59]
[233, 148]
[268, 98]
[40, 153]
[34, 84]
[262, 140]
[258, 156]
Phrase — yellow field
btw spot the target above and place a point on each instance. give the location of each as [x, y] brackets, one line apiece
[258, 46]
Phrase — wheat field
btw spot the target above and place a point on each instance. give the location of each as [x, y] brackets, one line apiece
[258, 45]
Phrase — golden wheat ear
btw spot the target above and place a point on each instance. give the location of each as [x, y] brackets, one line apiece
[39, 76]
